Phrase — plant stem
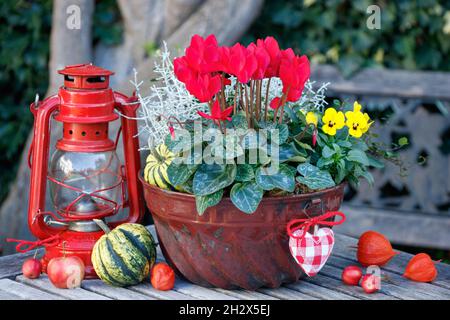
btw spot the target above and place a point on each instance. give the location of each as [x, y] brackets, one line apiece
[251, 102]
[235, 97]
[247, 106]
[258, 99]
[283, 101]
[280, 119]
[220, 126]
[267, 100]
[222, 84]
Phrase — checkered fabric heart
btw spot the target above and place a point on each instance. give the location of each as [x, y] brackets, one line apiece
[312, 251]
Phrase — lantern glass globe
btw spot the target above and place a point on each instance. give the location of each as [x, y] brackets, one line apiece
[85, 183]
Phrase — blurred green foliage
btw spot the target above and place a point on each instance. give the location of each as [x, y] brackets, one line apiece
[413, 34]
[24, 53]
[24, 35]
[107, 21]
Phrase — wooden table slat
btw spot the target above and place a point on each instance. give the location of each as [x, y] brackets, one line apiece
[355, 291]
[286, 294]
[397, 263]
[98, 286]
[319, 292]
[247, 295]
[199, 292]
[326, 285]
[8, 296]
[387, 288]
[425, 289]
[147, 289]
[11, 265]
[26, 292]
[43, 283]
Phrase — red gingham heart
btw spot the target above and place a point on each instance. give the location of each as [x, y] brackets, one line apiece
[312, 251]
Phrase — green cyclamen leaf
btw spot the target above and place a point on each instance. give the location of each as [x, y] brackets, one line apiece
[313, 177]
[179, 173]
[244, 172]
[180, 143]
[246, 196]
[239, 121]
[288, 152]
[283, 178]
[210, 200]
[210, 178]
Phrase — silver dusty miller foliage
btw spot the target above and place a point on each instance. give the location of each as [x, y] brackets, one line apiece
[311, 100]
[169, 103]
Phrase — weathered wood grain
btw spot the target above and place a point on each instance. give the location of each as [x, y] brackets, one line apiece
[44, 284]
[324, 280]
[26, 292]
[408, 228]
[386, 82]
[397, 279]
[397, 264]
[116, 293]
[326, 285]
[8, 296]
[200, 293]
[148, 290]
[11, 266]
[247, 295]
[388, 288]
[319, 292]
[287, 294]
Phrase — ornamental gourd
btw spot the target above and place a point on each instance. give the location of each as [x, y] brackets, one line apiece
[124, 256]
[155, 172]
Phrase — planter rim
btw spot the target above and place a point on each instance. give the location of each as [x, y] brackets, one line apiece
[292, 197]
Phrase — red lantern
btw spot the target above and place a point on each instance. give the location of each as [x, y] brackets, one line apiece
[85, 176]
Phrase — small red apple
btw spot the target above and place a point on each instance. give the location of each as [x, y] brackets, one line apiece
[66, 272]
[370, 283]
[32, 268]
[351, 275]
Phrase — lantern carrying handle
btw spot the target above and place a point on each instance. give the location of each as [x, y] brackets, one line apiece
[38, 161]
[127, 107]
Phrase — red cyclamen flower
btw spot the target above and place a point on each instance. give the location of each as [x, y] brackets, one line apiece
[262, 59]
[294, 71]
[275, 103]
[272, 48]
[242, 63]
[204, 86]
[182, 70]
[202, 55]
[216, 113]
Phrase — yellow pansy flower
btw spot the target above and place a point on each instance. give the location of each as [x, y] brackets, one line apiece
[311, 117]
[357, 122]
[332, 121]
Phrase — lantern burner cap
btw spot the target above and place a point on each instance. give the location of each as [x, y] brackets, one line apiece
[84, 70]
[85, 76]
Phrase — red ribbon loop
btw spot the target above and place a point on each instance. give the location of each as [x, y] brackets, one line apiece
[306, 224]
[25, 245]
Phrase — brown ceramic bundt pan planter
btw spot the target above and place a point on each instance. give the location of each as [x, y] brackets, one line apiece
[227, 248]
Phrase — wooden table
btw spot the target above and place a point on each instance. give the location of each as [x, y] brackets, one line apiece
[326, 285]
